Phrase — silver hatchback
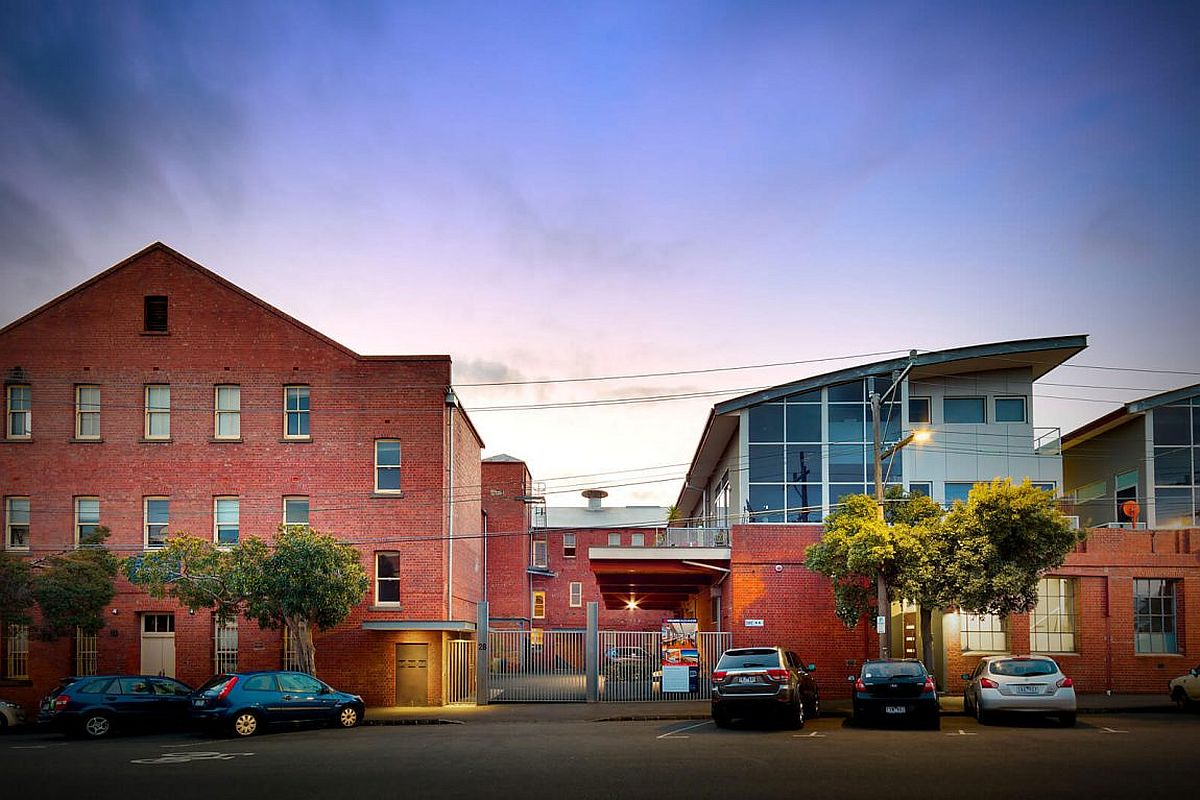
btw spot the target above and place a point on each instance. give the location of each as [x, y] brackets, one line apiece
[1020, 684]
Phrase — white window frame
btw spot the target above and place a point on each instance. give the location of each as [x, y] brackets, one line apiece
[80, 522]
[155, 412]
[576, 594]
[307, 505]
[146, 521]
[538, 556]
[16, 652]
[25, 414]
[219, 524]
[983, 633]
[9, 524]
[1054, 620]
[1024, 410]
[306, 413]
[379, 581]
[637, 540]
[390, 467]
[568, 545]
[614, 539]
[225, 646]
[230, 412]
[87, 410]
[539, 604]
[86, 652]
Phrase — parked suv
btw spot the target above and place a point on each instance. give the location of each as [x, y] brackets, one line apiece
[98, 705]
[244, 702]
[758, 680]
[1185, 690]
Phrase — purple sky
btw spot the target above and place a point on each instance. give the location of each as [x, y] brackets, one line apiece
[558, 190]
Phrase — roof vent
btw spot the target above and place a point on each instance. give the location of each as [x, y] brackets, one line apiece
[594, 496]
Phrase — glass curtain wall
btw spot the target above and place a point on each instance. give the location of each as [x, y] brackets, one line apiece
[1177, 464]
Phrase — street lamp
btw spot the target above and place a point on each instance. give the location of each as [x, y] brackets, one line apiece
[883, 622]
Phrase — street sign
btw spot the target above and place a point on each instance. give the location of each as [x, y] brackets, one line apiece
[754, 623]
[881, 624]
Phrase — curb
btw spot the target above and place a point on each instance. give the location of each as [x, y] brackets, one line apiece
[413, 721]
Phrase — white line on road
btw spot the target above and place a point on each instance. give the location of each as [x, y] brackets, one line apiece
[193, 744]
[1110, 730]
[672, 734]
[813, 735]
[961, 732]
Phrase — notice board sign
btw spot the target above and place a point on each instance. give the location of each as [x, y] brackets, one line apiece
[680, 656]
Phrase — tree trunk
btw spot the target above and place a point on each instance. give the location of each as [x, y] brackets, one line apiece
[301, 636]
[927, 644]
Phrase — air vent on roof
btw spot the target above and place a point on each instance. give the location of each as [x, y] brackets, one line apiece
[156, 313]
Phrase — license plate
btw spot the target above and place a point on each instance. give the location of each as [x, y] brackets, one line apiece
[1028, 689]
[894, 709]
[747, 679]
[198, 703]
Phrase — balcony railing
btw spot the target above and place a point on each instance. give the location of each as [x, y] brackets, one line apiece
[691, 537]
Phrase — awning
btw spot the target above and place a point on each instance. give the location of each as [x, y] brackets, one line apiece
[419, 625]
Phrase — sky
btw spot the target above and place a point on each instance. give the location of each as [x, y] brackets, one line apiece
[566, 190]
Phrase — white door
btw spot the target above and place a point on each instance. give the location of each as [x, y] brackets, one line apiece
[158, 644]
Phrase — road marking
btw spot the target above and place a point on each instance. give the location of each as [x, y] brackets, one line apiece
[193, 744]
[673, 734]
[183, 758]
[1110, 730]
[961, 732]
[813, 735]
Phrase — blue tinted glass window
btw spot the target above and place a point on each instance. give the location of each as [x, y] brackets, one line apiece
[837, 491]
[260, 683]
[923, 488]
[803, 423]
[803, 463]
[766, 503]
[766, 423]
[957, 491]
[918, 410]
[804, 502]
[847, 393]
[1010, 409]
[846, 423]
[1172, 425]
[893, 467]
[963, 410]
[846, 463]
[889, 422]
[766, 463]
[806, 397]
[1172, 466]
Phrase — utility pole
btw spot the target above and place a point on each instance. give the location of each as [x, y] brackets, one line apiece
[882, 602]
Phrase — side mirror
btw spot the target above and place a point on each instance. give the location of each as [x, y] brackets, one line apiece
[850, 678]
[811, 668]
[1195, 672]
[966, 676]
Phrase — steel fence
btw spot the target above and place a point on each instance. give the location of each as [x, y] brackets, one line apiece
[537, 666]
[630, 666]
[460, 671]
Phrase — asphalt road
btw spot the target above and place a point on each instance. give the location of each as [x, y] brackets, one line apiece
[1139, 755]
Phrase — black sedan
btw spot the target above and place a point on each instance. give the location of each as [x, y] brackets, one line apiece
[96, 706]
[895, 689]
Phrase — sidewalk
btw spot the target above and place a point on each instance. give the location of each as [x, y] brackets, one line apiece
[691, 709]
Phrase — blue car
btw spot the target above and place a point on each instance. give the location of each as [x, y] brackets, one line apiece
[97, 705]
[244, 702]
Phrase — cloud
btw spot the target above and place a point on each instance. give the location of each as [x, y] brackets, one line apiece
[36, 252]
[478, 370]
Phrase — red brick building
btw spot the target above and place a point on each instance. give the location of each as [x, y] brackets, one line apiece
[158, 397]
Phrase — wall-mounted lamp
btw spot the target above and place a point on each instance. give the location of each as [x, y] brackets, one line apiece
[114, 612]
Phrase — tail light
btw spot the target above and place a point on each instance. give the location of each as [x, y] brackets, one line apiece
[777, 674]
[1066, 683]
[929, 685]
[61, 701]
[859, 686]
[719, 675]
[227, 688]
[988, 683]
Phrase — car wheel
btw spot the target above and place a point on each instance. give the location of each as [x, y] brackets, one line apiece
[245, 723]
[814, 707]
[96, 726]
[984, 717]
[348, 717]
[795, 716]
[721, 718]
[1067, 720]
[1182, 701]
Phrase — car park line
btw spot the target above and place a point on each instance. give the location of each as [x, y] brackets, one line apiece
[674, 734]
[813, 735]
[961, 732]
[1110, 730]
[184, 758]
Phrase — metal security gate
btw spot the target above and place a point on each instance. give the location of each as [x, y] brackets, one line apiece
[631, 665]
[537, 666]
[459, 658]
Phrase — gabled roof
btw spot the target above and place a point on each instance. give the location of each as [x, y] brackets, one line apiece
[1127, 413]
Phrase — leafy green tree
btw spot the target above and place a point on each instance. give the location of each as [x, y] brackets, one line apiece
[303, 581]
[924, 580]
[69, 590]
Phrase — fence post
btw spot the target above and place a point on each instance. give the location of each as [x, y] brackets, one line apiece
[482, 661]
[592, 652]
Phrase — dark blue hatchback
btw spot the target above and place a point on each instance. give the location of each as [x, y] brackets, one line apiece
[95, 706]
[244, 702]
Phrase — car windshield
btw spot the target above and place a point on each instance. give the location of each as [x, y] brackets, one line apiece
[893, 669]
[1024, 667]
[215, 682]
[749, 658]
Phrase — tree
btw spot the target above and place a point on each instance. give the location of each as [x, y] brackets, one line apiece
[925, 580]
[857, 548]
[69, 590]
[301, 582]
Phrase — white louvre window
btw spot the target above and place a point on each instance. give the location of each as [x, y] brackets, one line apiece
[228, 412]
[16, 663]
[86, 652]
[226, 514]
[568, 545]
[539, 553]
[156, 513]
[225, 646]
[87, 518]
[295, 412]
[16, 523]
[576, 594]
[20, 412]
[539, 605]
[387, 465]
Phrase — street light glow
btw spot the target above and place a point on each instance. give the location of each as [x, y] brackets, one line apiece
[922, 436]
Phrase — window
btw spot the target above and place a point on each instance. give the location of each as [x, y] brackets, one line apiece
[1052, 624]
[225, 646]
[295, 511]
[568, 545]
[721, 500]
[16, 648]
[20, 413]
[984, 633]
[1154, 616]
[16, 523]
[919, 410]
[539, 605]
[299, 683]
[155, 314]
[637, 540]
[86, 652]
[260, 683]
[1092, 491]
[228, 405]
[226, 518]
[576, 594]
[963, 410]
[155, 521]
[539, 553]
[87, 412]
[1127, 489]
[158, 623]
[295, 412]
[291, 655]
[1045, 486]
[387, 579]
[387, 465]
[614, 540]
[924, 488]
[87, 518]
[1010, 409]
[957, 491]
[158, 411]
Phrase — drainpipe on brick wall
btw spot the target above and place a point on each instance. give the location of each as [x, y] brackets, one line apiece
[451, 404]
